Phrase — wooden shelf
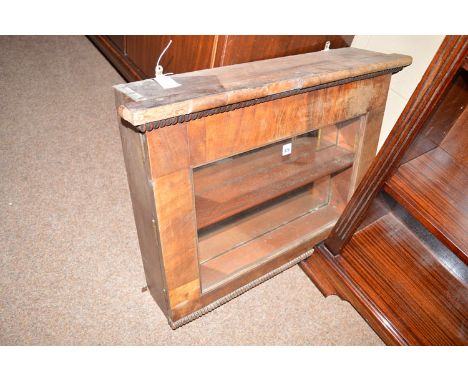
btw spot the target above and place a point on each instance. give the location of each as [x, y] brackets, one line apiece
[432, 187]
[401, 279]
[313, 226]
[415, 285]
[218, 240]
[308, 216]
[232, 186]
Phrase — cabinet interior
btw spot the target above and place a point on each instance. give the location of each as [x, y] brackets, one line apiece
[256, 205]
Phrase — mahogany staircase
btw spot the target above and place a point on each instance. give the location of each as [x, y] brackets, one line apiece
[399, 252]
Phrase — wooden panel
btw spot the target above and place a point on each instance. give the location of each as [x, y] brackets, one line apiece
[119, 42]
[176, 222]
[238, 49]
[433, 187]
[168, 150]
[189, 53]
[238, 284]
[226, 134]
[328, 276]
[310, 216]
[425, 98]
[400, 282]
[446, 113]
[456, 141]
[407, 281]
[141, 192]
[218, 87]
[186, 53]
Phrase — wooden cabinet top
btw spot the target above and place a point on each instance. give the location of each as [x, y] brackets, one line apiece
[219, 89]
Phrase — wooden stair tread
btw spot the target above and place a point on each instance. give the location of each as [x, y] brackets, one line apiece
[432, 187]
[420, 292]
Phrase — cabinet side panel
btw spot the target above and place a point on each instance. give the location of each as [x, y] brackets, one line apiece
[168, 154]
[141, 192]
[176, 220]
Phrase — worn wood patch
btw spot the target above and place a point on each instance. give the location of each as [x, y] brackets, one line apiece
[211, 88]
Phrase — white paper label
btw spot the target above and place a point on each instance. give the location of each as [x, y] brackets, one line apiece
[166, 82]
[287, 148]
[129, 92]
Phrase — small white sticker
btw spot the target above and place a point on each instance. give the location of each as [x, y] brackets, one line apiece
[166, 82]
[129, 92]
[287, 148]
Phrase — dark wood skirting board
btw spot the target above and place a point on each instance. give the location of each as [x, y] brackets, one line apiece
[432, 86]
[117, 58]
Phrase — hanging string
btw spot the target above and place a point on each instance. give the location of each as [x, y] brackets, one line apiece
[158, 70]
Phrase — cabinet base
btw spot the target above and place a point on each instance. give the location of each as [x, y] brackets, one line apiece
[216, 304]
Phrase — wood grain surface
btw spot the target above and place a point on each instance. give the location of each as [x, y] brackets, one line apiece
[425, 98]
[269, 232]
[217, 87]
[313, 226]
[198, 267]
[190, 52]
[433, 187]
[233, 49]
[178, 237]
[226, 134]
[456, 141]
[409, 283]
[447, 112]
[186, 53]
[141, 191]
[409, 292]
[247, 227]
[112, 49]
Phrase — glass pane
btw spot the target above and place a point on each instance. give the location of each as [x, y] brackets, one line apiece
[258, 204]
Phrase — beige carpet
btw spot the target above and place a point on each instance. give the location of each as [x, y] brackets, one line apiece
[70, 267]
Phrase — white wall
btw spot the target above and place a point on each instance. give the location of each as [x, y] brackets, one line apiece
[421, 48]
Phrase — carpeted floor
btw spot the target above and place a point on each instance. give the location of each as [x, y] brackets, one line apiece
[70, 267]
